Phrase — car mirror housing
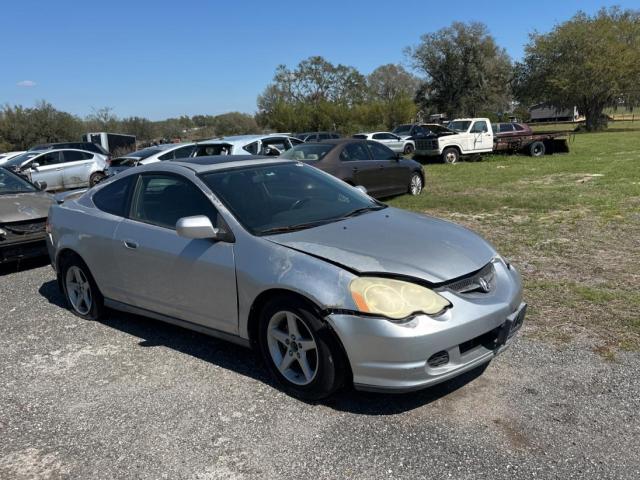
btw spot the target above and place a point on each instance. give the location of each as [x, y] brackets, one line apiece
[40, 185]
[200, 227]
[35, 166]
[362, 188]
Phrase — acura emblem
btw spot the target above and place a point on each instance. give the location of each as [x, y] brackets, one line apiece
[484, 285]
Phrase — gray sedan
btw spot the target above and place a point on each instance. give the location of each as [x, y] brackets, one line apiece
[330, 285]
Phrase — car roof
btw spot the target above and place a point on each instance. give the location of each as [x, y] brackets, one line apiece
[224, 162]
[240, 139]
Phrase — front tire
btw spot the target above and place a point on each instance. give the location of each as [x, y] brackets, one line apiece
[300, 350]
[537, 149]
[450, 155]
[80, 290]
[96, 178]
[415, 184]
[408, 149]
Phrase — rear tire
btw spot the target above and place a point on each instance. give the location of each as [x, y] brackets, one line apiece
[300, 350]
[450, 155]
[95, 178]
[537, 149]
[80, 290]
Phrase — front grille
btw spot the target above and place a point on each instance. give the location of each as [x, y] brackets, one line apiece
[483, 281]
[27, 227]
[438, 359]
[423, 144]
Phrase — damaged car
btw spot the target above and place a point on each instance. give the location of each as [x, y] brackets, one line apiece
[23, 215]
[331, 286]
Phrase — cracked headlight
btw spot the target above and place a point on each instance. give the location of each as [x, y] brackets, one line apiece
[394, 298]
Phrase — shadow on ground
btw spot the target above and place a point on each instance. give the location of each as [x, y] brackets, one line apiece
[22, 265]
[238, 359]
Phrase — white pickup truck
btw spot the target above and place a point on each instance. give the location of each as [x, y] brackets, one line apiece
[465, 136]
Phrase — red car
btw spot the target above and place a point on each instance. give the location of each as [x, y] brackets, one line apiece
[502, 130]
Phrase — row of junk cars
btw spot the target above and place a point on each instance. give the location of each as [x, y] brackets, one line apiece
[378, 162]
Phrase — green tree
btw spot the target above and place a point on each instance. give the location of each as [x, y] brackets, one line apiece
[391, 90]
[465, 71]
[141, 127]
[21, 128]
[234, 123]
[591, 62]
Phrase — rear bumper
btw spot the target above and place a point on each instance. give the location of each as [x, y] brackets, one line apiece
[386, 356]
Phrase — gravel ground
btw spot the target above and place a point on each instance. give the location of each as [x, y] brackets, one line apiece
[133, 398]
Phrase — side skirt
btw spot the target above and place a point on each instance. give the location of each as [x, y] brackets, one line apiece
[124, 307]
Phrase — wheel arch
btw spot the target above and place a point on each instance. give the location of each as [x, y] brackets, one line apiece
[261, 300]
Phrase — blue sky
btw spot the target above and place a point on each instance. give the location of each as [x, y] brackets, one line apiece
[160, 59]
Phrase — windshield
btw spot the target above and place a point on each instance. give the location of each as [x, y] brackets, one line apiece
[459, 125]
[402, 130]
[278, 198]
[12, 183]
[308, 152]
[20, 159]
[145, 152]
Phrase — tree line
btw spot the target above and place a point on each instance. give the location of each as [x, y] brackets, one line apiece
[590, 61]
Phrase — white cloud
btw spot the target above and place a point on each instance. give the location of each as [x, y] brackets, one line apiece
[26, 83]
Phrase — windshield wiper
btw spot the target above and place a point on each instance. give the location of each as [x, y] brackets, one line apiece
[360, 211]
[293, 228]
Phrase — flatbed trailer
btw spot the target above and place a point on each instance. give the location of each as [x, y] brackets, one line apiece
[536, 144]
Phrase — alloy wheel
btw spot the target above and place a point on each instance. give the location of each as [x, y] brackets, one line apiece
[78, 290]
[416, 185]
[292, 347]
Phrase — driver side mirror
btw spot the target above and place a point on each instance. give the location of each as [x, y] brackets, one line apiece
[200, 227]
[362, 188]
[35, 166]
[40, 185]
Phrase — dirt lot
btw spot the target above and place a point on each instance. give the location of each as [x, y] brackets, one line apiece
[133, 398]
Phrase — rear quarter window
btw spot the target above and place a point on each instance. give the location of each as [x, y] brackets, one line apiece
[113, 198]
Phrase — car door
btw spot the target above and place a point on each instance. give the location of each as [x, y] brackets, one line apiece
[481, 136]
[76, 168]
[358, 167]
[189, 279]
[394, 175]
[49, 170]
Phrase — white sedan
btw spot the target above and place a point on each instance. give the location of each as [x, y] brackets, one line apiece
[394, 142]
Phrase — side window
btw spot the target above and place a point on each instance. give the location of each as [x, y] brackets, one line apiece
[518, 127]
[112, 198]
[479, 127]
[324, 136]
[75, 156]
[420, 132]
[48, 159]
[184, 152]
[379, 136]
[252, 148]
[166, 156]
[380, 152]
[354, 151]
[295, 141]
[164, 199]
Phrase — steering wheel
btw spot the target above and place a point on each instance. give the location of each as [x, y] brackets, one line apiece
[298, 203]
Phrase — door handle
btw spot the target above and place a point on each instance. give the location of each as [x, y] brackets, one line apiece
[130, 244]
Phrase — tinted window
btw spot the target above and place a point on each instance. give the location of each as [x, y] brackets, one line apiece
[252, 148]
[380, 152]
[76, 156]
[48, 159]
[184, 152]
[11, 183]
[355, 151]
[164, 199]
[403, 129]
[518, 127]
[112, 198]
[384, 136]
[359, 135]
[295, 141]
[308, 151]
[324, 136]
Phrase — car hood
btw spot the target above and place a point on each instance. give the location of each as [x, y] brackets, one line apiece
[394, 242]
[24, 206]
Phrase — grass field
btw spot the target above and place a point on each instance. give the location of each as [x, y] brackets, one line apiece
[569, 222]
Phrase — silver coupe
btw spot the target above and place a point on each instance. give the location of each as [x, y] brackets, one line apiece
[331, 286]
